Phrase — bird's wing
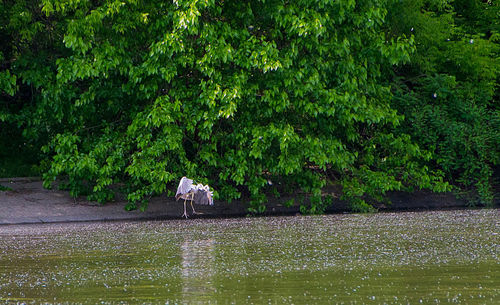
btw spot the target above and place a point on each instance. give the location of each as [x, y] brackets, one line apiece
[203, 195]
[184, 187]
[200, 197]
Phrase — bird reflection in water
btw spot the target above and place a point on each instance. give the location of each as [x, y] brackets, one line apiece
[198, 268]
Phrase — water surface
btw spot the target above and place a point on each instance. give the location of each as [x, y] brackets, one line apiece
[396, 258]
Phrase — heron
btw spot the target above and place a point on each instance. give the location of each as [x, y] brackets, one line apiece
[199, 194]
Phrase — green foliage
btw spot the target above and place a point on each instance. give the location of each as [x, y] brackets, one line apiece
[289, 203]
[359, 205]
[449, 93]
[27, 58]
[231, 93]
[4, 188]
[256, 207]
[317, 205]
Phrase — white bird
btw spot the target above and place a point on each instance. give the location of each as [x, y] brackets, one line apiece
[200, 194]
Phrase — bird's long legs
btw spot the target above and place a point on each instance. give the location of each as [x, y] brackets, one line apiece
[192, 207]
[185, 214]
[194, 212]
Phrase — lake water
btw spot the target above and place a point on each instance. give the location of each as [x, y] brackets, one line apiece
[394, 258]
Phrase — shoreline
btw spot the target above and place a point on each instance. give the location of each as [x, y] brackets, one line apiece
[27, 202]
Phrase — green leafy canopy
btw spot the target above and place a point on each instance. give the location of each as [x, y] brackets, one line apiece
[232, 93]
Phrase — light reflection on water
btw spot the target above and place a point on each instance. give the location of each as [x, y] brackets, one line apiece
[428, 257]
[198, 267]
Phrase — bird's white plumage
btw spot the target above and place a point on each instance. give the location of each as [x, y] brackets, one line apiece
[184, 188]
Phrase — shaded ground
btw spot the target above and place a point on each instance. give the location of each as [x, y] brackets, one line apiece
[26, 201]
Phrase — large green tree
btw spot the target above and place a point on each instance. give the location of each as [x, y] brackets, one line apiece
[232, 93]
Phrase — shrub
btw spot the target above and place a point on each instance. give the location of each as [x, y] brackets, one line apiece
[449, 92]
